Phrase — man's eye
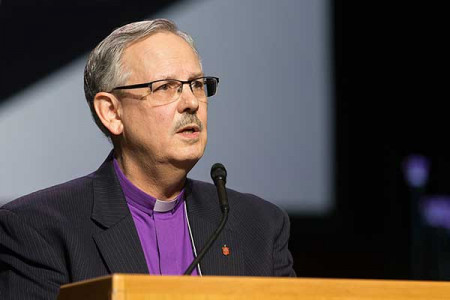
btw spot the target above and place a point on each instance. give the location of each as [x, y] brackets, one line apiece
[163, 87]
[198, 85]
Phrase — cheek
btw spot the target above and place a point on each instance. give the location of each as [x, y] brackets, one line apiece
[161, 123]
[203, 116]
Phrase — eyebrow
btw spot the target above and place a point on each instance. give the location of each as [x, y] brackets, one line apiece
[192, 76]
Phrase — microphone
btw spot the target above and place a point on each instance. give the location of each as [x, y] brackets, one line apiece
[219, 176]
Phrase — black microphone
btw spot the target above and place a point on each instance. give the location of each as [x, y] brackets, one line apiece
[219, 176]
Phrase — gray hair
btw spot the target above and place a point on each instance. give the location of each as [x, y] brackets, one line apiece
[104, 70]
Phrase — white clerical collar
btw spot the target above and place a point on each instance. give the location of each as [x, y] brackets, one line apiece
[164, 206]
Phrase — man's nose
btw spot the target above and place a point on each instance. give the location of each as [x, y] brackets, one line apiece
[188, 102]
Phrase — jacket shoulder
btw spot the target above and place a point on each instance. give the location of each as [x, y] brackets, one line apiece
[244, 203]
[62, 199]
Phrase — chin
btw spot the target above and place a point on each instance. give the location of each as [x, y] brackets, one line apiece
[187, 156]
[186, 163]
[192, 157]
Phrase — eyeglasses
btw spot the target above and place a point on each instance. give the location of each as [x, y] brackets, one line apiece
[168, 90]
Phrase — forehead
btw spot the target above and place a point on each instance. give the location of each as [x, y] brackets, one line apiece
[161, 55]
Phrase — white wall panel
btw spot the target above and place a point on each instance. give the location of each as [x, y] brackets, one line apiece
[270, 124]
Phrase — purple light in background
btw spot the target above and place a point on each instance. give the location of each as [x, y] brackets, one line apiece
[416, 168]
[436, 211]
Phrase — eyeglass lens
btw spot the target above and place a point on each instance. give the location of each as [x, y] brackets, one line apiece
[170, 90]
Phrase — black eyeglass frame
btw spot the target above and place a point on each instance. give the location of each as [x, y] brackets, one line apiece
[149, 84]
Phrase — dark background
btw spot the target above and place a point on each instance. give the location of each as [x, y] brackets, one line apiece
[390, 78]
[390, 103]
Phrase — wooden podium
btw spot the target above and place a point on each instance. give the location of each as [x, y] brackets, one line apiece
[140, 287]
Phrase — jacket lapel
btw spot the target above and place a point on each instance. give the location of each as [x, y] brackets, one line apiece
[118, 243]
[225, 257]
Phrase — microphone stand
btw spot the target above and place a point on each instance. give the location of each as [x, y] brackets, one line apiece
[218, 174]
[208, 245]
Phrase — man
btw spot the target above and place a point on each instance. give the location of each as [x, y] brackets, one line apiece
[138, 213]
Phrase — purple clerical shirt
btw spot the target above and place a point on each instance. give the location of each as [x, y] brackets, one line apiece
[162, 227]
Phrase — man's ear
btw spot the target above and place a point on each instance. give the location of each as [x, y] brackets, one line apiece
[108, 109]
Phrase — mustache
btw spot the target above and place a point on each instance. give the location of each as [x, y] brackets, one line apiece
[187, 119]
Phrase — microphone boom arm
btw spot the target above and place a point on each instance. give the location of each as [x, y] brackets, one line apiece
[208, 245]
[219, 176]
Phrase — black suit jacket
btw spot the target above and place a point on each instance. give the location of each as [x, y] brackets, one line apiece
[83, 229]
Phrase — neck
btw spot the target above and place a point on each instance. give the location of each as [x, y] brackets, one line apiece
[162, 181]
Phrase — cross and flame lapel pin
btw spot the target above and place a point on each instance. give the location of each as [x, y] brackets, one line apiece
[225, 250]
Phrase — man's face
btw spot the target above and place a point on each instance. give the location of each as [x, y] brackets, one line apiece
[153, 131]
